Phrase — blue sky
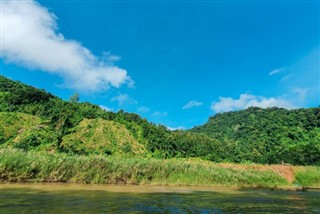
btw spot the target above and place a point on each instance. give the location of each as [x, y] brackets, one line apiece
[174, 63]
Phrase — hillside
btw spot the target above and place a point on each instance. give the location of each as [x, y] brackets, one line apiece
[84, 128]
[25, 131]
[100, 136]
[268, 135]
[32, 119]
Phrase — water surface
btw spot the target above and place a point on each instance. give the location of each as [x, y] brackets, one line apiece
[65, 198]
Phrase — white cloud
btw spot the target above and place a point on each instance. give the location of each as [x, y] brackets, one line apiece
[191, 104]
[30, 37]
[143, 109]
[302, 93]
[123, 99]
[107, 56]
[160, 114]
[286, 77]
[105, 108]
[276, 71]
[176, 128]
[247, 100]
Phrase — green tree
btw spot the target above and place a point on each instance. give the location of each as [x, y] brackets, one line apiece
[75, 98]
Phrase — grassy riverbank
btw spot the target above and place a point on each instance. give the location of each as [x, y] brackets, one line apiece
[19, 166]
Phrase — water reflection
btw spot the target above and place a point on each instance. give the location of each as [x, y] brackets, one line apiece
[26, 199]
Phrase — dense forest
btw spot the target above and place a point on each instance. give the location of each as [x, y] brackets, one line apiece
[32, 119]
[269, 135]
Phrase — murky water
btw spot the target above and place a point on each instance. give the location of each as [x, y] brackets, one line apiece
[58, 198]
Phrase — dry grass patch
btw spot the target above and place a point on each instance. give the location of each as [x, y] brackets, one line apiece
[286, 172]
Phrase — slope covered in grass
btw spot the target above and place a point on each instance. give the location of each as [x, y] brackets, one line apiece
[25, 131]
[98, 136]
[13, 123]
[90, 136]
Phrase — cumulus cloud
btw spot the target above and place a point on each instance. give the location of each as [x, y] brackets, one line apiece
[247, 100]
[276, 71]
[191, 104]
[30, 37]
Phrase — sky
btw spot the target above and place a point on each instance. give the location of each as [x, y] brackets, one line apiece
[173, 62]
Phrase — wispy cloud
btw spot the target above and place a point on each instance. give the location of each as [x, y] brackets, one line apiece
[160, 114]
[143, 109]
[301, 93]
[192, 104]
[247, 100]
[105, 108]
[30, 37]
[276, 71]
[286, 77]
[123, 99]
[107, 56]
[176, 128]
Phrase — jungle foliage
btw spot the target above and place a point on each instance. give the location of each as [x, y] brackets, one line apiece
[32, 119]
[269, 135]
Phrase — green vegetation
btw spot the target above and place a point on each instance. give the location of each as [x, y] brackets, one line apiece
[34, 120]
[24, 131]
[269, 135]
[76, 128]
[98, 136]
[75, 98]
[19, 166]
[307, 176]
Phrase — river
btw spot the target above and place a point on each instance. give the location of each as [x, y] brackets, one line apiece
[71, 198]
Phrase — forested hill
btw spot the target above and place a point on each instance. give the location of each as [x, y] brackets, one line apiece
[268, 135]
[32, 119]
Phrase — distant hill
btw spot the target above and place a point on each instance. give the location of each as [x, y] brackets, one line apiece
[33, 119]
[268, 135]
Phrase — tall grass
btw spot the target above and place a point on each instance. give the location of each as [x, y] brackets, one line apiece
[308, 176]
[19, 166]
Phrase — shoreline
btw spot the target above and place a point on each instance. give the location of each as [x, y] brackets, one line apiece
[144, 188]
